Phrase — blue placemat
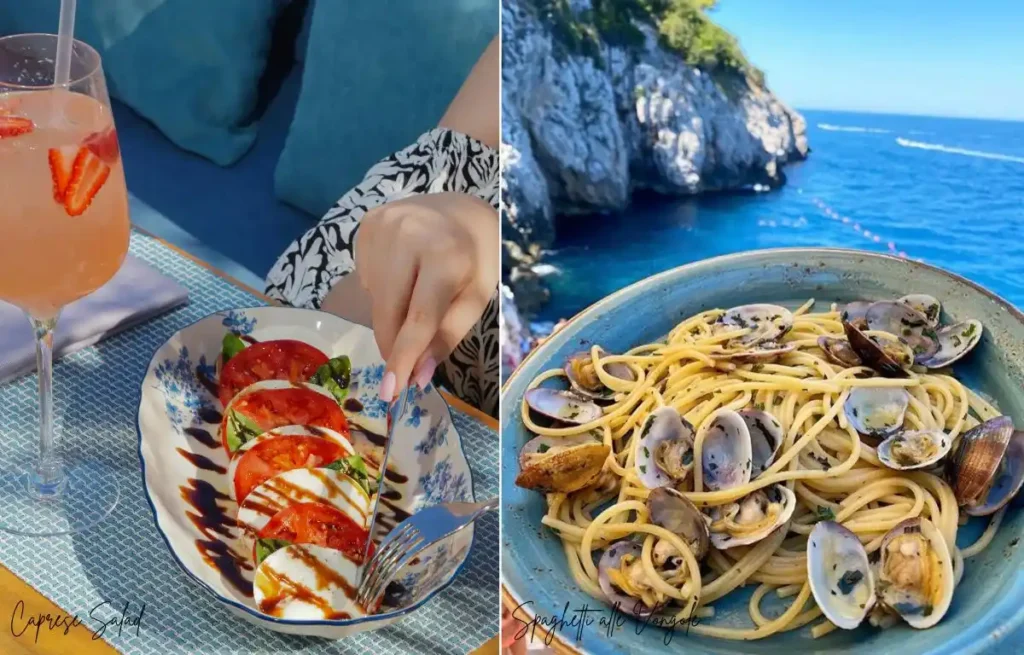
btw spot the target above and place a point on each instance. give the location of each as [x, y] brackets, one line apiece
[125, 560]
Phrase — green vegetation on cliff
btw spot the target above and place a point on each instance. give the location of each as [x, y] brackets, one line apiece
[682, 25]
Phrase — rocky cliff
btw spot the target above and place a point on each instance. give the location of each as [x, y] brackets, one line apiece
[581, 132]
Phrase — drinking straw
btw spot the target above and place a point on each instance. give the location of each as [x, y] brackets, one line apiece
[65, 39]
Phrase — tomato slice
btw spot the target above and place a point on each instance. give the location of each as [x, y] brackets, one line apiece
[284, 453]
[284, 359]
[273, 408]
[320, 525]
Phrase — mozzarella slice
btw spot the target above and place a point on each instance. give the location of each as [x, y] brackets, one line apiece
[319, 485]
[307, 582]
[301, 430]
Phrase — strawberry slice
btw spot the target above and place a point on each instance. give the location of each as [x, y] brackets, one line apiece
[12, 126]
[104, 144]
[88, 175]
[62, 160]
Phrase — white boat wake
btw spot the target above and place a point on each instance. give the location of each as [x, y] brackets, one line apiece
[851, 128]
[907, 143]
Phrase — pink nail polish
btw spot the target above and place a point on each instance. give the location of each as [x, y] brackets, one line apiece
[425, 372]
[387, 387]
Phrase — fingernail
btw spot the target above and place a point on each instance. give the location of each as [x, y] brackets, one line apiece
[387, 387]
[424, 372]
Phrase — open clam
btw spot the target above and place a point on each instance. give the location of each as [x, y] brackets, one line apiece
[927, 305]
[885, 357]
[726, 452]
[766, 438]
[913, 580]
[766, 322]
[665, 450]
[580, 370]
[563, 406]
[672, 511]
[915, 573]
[751, 518]
[954, 341]
[914, 449]
[911, 326]
[622, 578]
[855, 313]
[839, 351]
[839, 574]
[877, 411]
[987, 468]
[561, 464]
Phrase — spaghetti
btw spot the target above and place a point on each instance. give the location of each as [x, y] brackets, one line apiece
[708, 368]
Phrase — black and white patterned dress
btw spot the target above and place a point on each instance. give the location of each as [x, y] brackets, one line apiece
[439, 161]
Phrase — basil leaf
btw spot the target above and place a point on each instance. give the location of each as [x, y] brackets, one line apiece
[266, 547]
[231, 346]
[335, 376]
[240, 430]
[354, 467]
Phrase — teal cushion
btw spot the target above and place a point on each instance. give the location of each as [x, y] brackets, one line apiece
[377, 75]
[192, 67]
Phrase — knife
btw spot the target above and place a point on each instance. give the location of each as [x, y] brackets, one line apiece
[395, 412]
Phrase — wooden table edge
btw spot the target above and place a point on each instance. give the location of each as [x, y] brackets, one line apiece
[79, 639]
[557, 642]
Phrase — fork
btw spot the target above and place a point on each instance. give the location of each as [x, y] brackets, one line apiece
[411, 537]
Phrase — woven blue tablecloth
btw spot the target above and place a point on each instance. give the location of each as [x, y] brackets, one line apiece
[124, 559]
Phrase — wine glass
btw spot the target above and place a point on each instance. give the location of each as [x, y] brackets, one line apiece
[64, 232]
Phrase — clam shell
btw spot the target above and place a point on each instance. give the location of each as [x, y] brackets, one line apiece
[839, 573]
[1008, 479]
[972, 467]
[905, 451]
[920, 610]
[672, 511]
[872, 354]
[839, 351]
[775, 493]
[561, 464]
[766, 438]
[925, 304]
[855, 312]
[563, 406]
[954, 341]
[611, 559]
[661, 426]
[876, 411]
[767, 322]
[616, 369]
[726, 452]
[905, 322]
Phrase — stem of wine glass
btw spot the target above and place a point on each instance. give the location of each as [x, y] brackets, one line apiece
[47, 480]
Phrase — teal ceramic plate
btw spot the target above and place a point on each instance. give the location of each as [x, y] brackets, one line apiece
[988, 607]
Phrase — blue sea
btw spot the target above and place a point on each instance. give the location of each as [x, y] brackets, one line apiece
[947, 191]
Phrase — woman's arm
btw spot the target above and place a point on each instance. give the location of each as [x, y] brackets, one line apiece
[475, 111]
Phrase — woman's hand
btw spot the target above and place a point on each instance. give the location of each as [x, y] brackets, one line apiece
[430, 266]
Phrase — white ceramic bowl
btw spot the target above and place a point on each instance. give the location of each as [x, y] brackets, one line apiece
[182, 459]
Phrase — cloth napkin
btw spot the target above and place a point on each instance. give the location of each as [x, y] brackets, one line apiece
[134, 295]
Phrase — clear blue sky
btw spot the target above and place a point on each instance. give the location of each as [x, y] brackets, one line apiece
[940, 58]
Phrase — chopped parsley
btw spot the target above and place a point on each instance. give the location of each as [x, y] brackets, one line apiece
[825, 513]
[543, 448]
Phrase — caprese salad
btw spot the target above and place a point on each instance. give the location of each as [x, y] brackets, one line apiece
[303, 492]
